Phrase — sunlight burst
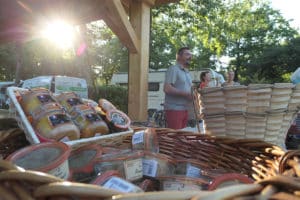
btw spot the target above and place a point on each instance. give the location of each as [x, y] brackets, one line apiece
[60, 33]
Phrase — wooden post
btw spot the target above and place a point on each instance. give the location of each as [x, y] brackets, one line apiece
[139, 62]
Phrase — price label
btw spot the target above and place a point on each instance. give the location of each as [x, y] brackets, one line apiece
[138, 137]
[170, 185]
[178, 186]
[133, 169]
[119, 184]
[150, 167]
[192, 171]
[62, 171]
[65, 139]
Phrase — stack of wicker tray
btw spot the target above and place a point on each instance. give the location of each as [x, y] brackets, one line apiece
[257, 111]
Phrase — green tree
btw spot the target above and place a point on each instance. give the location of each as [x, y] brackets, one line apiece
[276, 63]
[7, 62]
[187, 23]
[250, 27]
[241, 30]
[108, 55]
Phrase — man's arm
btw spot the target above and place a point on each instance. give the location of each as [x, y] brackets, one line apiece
[171, 90]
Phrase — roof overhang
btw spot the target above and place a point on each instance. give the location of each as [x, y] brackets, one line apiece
[21, 19]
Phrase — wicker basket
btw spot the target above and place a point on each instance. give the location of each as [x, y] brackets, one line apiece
[252, 157]
[18, 183]
[261, 111]
[276, 172]
[279, 188]
[34, 185]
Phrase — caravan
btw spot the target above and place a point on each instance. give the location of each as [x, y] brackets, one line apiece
[156, 80]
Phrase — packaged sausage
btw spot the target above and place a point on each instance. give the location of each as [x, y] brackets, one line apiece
[106, 105]
[51, 122]
[34, 98]
[88, 121]
[117, 120]
[68, 100]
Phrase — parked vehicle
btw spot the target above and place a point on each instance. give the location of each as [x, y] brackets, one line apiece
[55, 84]
[156, 80]
[58, 84]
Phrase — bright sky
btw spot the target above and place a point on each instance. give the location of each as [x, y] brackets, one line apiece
[289, 10]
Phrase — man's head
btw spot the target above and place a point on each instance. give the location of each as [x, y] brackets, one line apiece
[184, 56]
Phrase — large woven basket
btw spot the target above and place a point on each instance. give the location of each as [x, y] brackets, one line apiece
[260, 111]
[255, 158]
[275, 170]
[268, 164]
[252, 157]
[24, 184]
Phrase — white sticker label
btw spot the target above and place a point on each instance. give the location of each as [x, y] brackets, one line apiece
[150, 167]
[119, 184]
[170, 185]
[138, 137]
[133, 169]
[192, 171]
[178, 186]
[65, 139]
[98, 134]
[62, 171]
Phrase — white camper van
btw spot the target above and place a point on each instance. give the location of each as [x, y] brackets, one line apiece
[156, 80]
[59, 84]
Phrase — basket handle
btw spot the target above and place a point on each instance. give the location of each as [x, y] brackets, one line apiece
[284, 161]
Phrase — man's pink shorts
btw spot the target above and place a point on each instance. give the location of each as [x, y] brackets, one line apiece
[176, 119]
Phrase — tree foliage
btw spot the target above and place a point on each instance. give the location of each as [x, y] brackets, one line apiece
[187, 23]
[107, 54]
[277, 62]
[252, 27]
[7, 62]
[241, 30]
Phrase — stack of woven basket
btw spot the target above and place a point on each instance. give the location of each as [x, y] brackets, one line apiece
[260, 111]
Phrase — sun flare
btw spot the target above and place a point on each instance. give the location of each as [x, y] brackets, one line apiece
[60, 33]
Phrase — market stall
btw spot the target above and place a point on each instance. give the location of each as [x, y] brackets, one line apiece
[62, 146]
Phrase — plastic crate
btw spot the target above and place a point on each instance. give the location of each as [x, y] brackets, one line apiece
[17, 112]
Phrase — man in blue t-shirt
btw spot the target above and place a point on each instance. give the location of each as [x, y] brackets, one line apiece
[177, 88]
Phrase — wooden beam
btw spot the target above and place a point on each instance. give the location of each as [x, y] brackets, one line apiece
[126, 5]
[149, 2]
[117, 20]
[139, 62]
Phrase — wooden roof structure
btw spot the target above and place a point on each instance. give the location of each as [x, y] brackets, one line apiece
[128, 19]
